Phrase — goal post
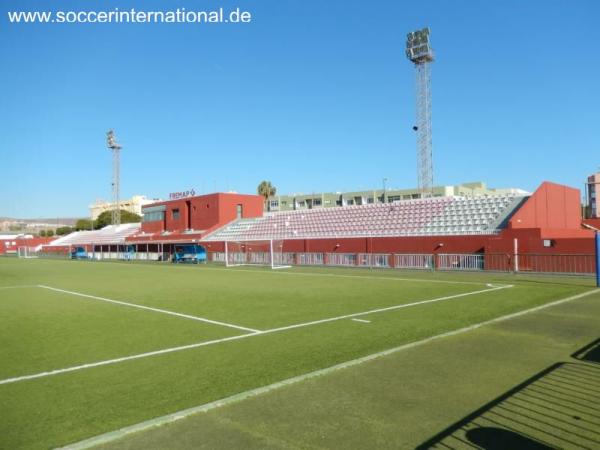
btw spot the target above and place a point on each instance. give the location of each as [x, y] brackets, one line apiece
[26, 252]
[597, 241]
[256, 253]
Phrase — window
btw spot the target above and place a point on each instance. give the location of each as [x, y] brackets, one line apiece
[393, 198]
[274, 203]
[338, 203]
[301, 204]
[175, 213]
[370, 200]
[317, 202]
[153, 216]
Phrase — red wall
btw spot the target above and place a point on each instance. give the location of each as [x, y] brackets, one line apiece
[449, 244]
[6, 245]
[204, 212]
[552, 207]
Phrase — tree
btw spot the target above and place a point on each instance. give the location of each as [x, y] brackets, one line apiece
[61, 231]
[49, 233]
[106, 218]
[84, 224]
[266, 189]
[42, 233]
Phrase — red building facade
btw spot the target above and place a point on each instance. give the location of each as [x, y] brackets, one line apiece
[191, 218]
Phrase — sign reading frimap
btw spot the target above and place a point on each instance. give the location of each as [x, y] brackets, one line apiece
[183, 194]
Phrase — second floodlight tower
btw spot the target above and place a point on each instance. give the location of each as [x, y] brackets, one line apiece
[419, 51]
[115, 148]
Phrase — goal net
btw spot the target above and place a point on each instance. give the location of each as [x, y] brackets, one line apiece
[256, 253]
[26, 252]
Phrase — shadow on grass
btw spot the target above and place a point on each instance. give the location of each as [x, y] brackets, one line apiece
[589, 353]
[557, 408]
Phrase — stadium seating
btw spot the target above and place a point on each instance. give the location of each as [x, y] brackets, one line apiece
[421, 217]
[110, 234]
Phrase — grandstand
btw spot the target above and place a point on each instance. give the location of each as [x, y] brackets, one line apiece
[421, 217]
[490, 231]
[110, 234]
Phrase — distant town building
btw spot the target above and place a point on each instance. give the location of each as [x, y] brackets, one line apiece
[332, 199]
[593, 203]
[134, 205]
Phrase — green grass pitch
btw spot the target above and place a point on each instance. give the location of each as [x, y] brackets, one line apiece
[114, 344]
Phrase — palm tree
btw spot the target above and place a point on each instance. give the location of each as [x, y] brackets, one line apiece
[265, 189]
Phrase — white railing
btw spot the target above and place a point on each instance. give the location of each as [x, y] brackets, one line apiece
[575, 264]
[216, 257]
[341, 259]
[459, 262]
[373, 260]
[310, 259]
[413, 261]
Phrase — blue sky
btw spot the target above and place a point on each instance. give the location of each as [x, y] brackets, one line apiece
[312, 95]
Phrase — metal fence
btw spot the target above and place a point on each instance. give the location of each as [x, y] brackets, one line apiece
[373, 260]
[341, 259]
[459, 262]
[581, 264]
[413, 261]
[572, 264]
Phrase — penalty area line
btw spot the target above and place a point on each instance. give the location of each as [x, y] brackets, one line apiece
[148, 308]
[19, 286]
[233, 338]
[169, 418]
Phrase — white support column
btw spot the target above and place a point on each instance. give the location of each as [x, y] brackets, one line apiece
[516, 254]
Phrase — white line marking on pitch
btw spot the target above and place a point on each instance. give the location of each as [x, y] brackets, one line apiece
[148, 308]
[389, 308]
[242, 336]
[123, 359]
[361, 320]
[19, 286]
[159, 421]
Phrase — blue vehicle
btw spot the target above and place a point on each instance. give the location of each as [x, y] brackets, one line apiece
[189, 253]
[79, 253]
[129, 253]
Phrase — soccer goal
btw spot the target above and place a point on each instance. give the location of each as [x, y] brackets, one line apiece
[256, 253]
[26, 252]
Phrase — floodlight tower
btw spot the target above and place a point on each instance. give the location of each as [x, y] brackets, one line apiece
[420, 53]
[115, 148]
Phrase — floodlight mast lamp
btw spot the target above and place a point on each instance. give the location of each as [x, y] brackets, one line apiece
[115, 148]
[420, 53]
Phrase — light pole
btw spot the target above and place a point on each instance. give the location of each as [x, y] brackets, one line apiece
[385, 180]
[420, 53]
[115, 148]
